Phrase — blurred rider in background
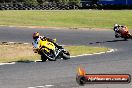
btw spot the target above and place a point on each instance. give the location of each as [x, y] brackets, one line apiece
[117, 29]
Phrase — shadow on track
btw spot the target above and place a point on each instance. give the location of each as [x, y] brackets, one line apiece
[24, 61]
[28, 61]
[116, 40]
[111, 41]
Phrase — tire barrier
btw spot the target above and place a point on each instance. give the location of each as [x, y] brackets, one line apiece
[50, 6]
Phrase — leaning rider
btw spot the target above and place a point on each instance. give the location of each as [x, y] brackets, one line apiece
[116, 29]
[37, 39]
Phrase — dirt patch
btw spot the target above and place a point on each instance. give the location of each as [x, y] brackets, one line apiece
[13, 51]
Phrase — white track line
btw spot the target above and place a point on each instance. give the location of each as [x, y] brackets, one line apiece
[45, 86]
[40, 87]
[49, 85]
[111, 50]
[7, 63]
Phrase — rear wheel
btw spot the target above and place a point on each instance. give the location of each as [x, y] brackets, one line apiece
[50, 56]
[43, 58]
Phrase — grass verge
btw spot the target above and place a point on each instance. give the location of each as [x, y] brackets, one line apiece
[67, 18]
[24, 53]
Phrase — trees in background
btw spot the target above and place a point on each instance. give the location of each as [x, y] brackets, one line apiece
[30, 2]
[35, 2]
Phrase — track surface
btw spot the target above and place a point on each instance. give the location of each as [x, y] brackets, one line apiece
[61, 74]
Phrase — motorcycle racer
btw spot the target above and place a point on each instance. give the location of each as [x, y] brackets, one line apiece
[37, 39]
[117, 29]
[48, 49]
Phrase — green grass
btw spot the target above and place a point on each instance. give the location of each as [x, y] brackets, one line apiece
[67, 18]
[24, 53]
[78, 50]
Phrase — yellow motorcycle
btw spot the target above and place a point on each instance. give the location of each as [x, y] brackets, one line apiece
[49, 51]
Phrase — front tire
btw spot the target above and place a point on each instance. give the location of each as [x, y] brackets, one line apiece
[66, 55]
[130, 36]
[116, 36]
[125, 39]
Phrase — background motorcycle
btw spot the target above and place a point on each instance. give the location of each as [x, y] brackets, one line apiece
[123, 34]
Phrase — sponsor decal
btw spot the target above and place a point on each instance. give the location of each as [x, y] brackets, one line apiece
[84, 78]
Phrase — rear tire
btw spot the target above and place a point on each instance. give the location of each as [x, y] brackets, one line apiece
[43, 58]
[48, 57]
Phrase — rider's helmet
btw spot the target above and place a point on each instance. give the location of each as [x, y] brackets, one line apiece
[35, 35]
[116, 25]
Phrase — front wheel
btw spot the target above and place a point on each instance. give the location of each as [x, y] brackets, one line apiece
[66, 55]
[130, 36]
[116, 36]
[125, 39]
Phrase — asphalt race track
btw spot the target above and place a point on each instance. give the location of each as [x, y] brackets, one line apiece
[61, 73]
